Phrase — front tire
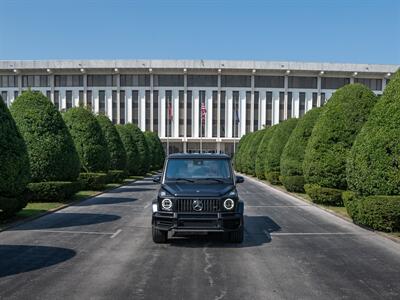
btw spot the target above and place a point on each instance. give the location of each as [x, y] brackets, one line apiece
[236, 236]
[159, 236]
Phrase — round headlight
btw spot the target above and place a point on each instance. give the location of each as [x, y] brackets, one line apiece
[229, 204]
[166, 204]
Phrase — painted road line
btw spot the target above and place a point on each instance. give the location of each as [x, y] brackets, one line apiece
[67, 231]
[246, 206]
[315, 233]
[115, 233]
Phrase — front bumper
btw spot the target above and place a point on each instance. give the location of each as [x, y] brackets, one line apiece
[197, 222]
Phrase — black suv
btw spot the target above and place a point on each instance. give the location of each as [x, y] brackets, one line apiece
[198, 195]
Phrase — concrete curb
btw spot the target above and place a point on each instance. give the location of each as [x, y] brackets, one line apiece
[277, 188]
[50, 211]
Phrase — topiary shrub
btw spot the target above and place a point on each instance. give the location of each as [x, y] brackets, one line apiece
[323, 195]
[89, 140]
[273, 177]
[52, 154]
[14, 164]
[350, 202]
[239, 153]
[51, 191]
[116, 176]
[143, 163]
[251, 151]
[114, 143]
[293, 153]
[130, 148]
[156, 151]
[333, 136]
[93, 181]
[275, 147]
[261, 151]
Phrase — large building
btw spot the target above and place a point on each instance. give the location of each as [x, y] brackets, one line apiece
[172, 97]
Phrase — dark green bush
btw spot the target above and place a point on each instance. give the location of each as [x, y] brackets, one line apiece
[261, 151]
[114, 143]
[130, 148]
[89, 140]
[349, 200]
[276, 145]
[334, 133]
[142, 162]
[323, 195]
[156, 151]
[373, 166]
[52, 154]
[9, 206]
[93, 181]
[116, 176]
[239, 152]
[250, 153]
[51, 191]
[293, 153]
[293, 183]
[244, 152]
[14, 164]
[273, 177]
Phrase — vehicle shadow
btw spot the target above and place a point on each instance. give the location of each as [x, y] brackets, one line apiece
[131, 189]
[16, 259]
[106, 201]
[61, 219]
[257, 233]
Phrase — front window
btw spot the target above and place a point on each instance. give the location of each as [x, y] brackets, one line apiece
[198, 168]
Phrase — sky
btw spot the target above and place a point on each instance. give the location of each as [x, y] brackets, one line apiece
[352, 31]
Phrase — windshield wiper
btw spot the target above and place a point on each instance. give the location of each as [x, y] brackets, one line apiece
[188, 180]
[215, 179]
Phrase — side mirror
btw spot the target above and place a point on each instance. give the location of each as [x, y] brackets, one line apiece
[239, 179]
[157, 178]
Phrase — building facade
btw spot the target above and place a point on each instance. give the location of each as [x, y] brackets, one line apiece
[191, 104]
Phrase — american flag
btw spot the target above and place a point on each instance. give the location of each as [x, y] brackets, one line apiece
[203, 112]
[170, 115]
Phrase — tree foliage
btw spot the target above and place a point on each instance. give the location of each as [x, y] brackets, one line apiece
[261, 152]
[130, 148]
[156, 151]
[143, 162]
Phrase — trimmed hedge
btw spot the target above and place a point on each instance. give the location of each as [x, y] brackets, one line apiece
[143, 163]
[251, 151]
[130, 148]
[89, 140]
[51, 191]
[323, 195]
[93, 181]
[373, 166]
[156, 150]
[14, 166]
[261, 150]
[275, 148]
[116, 176]
[52, 154]
[334, 133]
[114, 143]
[293, 153]
[237, 162]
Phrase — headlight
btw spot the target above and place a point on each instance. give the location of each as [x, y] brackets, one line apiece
[166, 204]
[229, 204]
[232, 193]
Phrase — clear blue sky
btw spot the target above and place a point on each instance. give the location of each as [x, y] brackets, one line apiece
[358, 31]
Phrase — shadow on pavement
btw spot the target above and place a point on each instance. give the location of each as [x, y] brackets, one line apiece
[130, 189]
[16, 259]
[106, 200]
[257, 233]
[60, 220]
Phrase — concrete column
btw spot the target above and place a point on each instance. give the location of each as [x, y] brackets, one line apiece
[142, 109]
[196, 121]
[219, 107]
[175, 113]
[185, 109]
[85, 89]
[209, 115]
[242, 113]
[252, 105]
[151, 102]
[19, 78]
[285, 114]
[319, 91]
[262, 109]
[229, 111]
[51, 81]
[162, 105]
[118, 98]
[275, 108]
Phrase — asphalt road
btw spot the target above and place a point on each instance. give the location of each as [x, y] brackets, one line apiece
[102, 249]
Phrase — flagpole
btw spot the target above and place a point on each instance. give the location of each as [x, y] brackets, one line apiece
[168, 120]
[201, 132]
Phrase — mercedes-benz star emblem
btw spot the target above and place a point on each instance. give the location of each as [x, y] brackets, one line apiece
[198, 205]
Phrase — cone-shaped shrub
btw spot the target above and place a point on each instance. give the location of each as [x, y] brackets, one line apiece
[156, 152]
[114, 143]
[160, 152]
[51, 150]
[125, 132]
[262, 150]
[244, 152]
[143, 162]
[293, 153]
[333, 136]
[251, 152]
[239, 152]
[88, 139]
[275, 148]
[14, 166]
[373, 166]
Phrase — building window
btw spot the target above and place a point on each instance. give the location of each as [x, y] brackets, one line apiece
[281, 106]
[168, 80]
[102, 80]
[202, 80]
[323, 99]
[48, 95]
[102, 102]
[169, 112]
[214, 113]
[135, 80]
[181, 113]
[248, 111]
[89, 100]
[16, 95]
[269, 81]
[155, 111]
[268, 121]
[256, 110]
[122, 107]
[114, 101]
[189, 119]
[8, 81]
[147, 108]
[68, 97]
[302, 82]
[314, 99]
[333, 83]
[35, 81]
[57, 99]
[289, 105]
[235, 114]
[203, 124]
[68, 80]
[223, 114]
[235, 81]
[4, 96]
[302, 105]
[373, 84]
[135, 107]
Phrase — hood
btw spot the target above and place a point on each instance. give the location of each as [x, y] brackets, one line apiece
[200, 190]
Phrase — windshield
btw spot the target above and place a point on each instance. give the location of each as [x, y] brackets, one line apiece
[198, 168]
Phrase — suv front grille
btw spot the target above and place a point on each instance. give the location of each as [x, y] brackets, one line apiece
[207, 205]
